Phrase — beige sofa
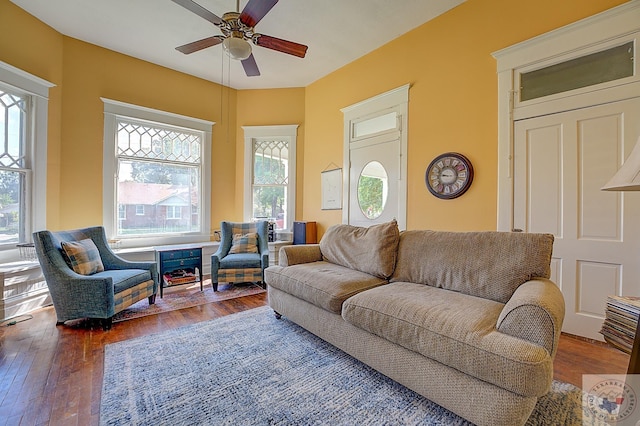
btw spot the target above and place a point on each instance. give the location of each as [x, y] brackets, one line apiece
[468, 320]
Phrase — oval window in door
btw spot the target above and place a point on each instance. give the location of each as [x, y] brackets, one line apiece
[373, 186]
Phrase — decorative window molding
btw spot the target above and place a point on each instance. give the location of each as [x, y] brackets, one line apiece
[36, 90]
[145, 151]
[277, 146]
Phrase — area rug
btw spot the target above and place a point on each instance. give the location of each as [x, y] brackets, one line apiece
[252, 369]
[187, 296]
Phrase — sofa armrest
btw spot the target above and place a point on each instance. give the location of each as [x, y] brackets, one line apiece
[296, 254]
[535, 313]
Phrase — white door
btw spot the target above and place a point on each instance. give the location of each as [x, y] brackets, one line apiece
[374, 177]
[561, 162]
[375, 160]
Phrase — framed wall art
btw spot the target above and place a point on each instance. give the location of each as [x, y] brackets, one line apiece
[331, 189]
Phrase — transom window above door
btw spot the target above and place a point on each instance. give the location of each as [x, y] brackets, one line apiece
[609, 64]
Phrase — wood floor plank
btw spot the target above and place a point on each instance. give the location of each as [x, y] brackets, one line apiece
[52, 375]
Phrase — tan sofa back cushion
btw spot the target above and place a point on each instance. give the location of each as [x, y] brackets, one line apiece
[372, 250]
[485, 264]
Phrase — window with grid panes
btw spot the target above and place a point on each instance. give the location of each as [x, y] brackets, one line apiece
[159, 163]
[270, 184]
[14, 165]
[270, 180]
[158, 178]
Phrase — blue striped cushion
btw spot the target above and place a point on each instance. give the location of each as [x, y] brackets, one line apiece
[82, 256]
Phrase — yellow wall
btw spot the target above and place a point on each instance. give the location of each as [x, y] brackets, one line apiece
[91, 72]
[36, 48]
[452, 102]
[74, 187]
[452, 107]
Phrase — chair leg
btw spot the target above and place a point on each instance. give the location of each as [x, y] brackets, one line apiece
[106, 323]
[215, 286]
[152, 299]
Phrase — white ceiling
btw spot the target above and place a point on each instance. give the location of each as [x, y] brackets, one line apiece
[336, 31]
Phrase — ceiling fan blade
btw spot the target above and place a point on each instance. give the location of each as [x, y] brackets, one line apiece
[255, 10]
[250, 66]
[200, 44]
[284, 46]
[200, 11]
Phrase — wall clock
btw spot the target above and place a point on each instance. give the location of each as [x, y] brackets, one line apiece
[449, 175]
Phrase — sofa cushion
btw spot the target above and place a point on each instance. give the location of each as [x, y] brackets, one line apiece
[241, 260]
[371, 250]
[323, 284]
[455, 329]
[124, 279]
[490, 265]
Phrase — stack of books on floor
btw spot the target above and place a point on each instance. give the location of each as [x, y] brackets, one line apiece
[181, 276]
[621, 320]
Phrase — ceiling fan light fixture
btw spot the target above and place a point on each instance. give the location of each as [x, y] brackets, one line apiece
[237, 48]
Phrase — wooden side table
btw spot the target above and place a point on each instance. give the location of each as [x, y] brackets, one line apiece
[179, 257]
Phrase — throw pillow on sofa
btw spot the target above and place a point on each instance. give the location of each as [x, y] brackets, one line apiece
[82, 256]
[487, 264]
[372, 250]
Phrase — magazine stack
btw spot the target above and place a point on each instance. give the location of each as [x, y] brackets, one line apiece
[621, 320]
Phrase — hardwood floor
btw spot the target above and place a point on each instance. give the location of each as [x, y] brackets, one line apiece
[53, 375]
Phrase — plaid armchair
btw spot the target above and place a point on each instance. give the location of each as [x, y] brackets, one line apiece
[241, 256]
[79, 288]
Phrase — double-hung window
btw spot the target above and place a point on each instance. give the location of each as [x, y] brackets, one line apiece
[161, 174]
[23, 155]
[270, 170]
[14, 165]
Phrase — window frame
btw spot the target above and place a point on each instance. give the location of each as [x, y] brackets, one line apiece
[37, 89]
[288, 132]
[174, 210]
[522, 108]
[114, 109]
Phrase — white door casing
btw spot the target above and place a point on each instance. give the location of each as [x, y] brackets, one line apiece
[560, 163]
[579, 38]
[388, 147]
[586, 231]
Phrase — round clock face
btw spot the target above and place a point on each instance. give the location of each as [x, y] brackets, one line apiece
[449, 175]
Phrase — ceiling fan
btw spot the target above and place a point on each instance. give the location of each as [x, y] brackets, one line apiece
[237, 28]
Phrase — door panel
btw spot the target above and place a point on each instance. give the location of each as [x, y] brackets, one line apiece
[387, 153]
[540, 161]
[560, 163]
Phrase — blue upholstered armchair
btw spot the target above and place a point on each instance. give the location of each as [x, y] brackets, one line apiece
[105, 283]
[240, 257]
